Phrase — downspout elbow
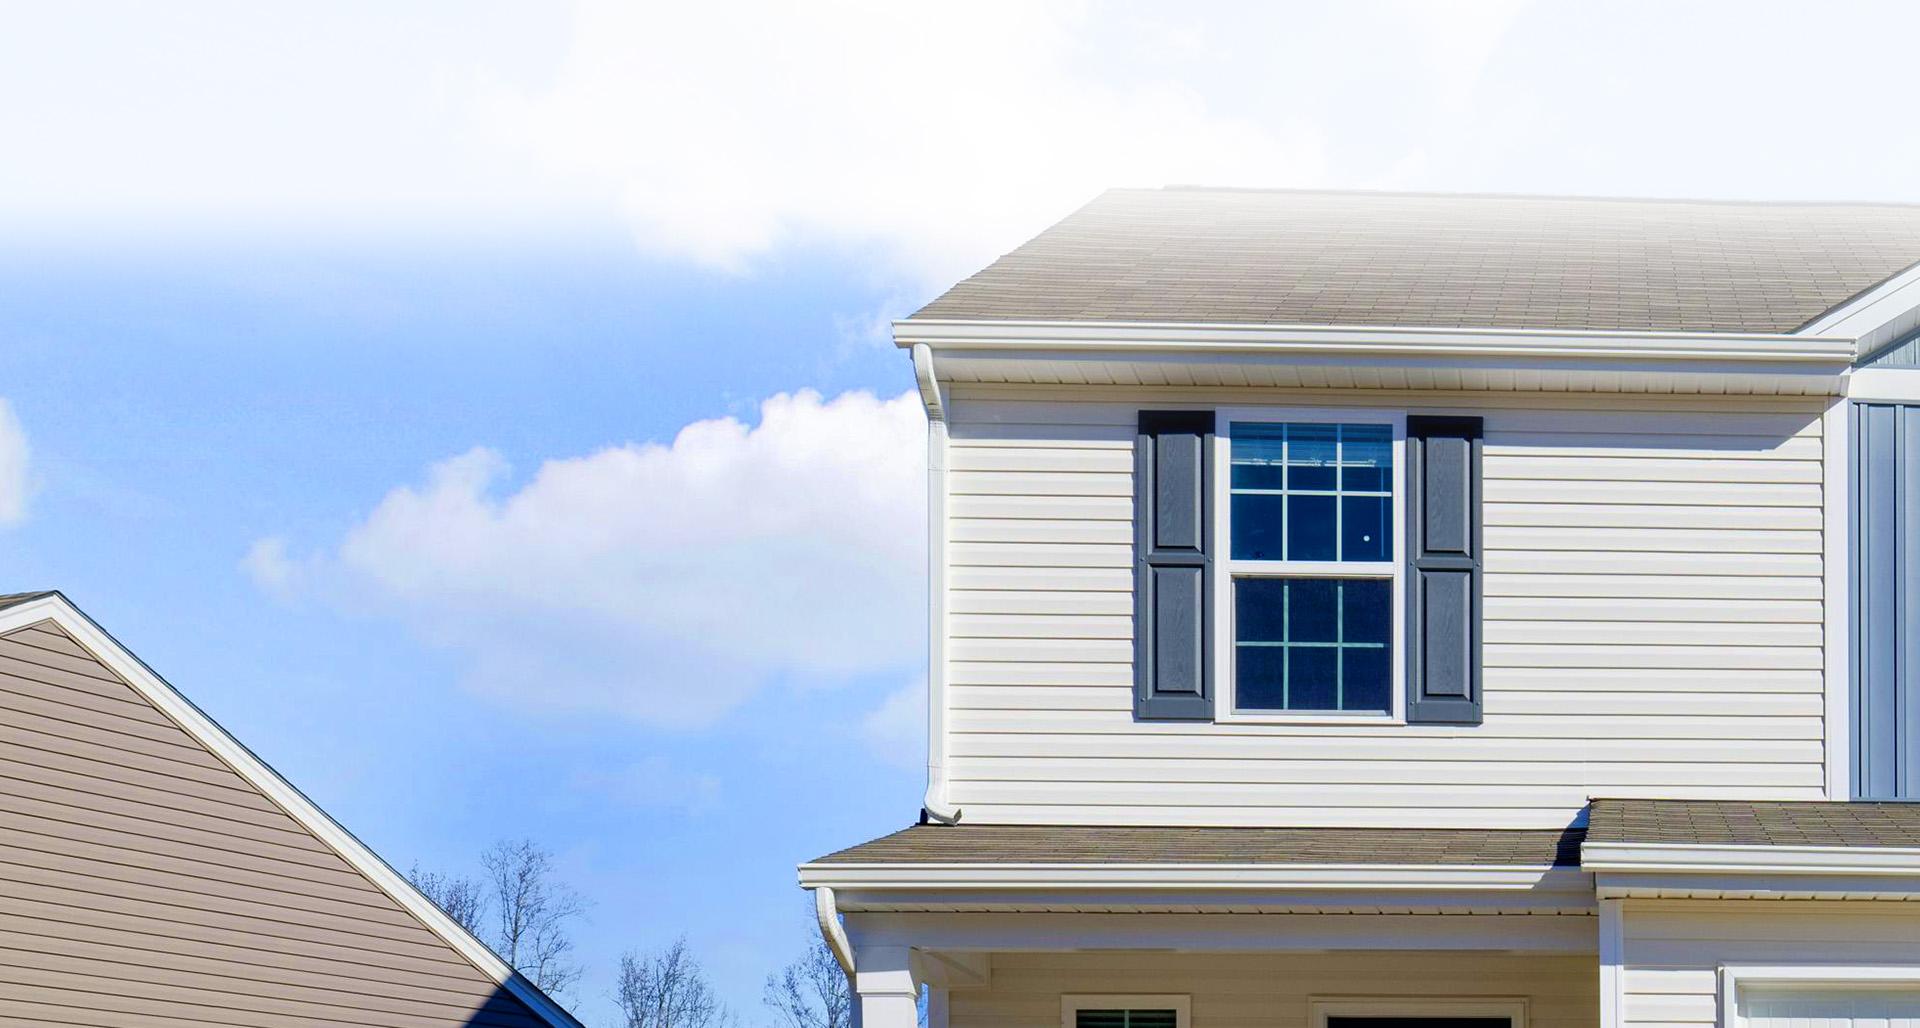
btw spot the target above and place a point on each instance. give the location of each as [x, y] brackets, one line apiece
[936, 804]
[825, 909]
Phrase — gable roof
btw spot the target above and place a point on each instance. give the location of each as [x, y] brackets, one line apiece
[1285, 257]
[133, 817]
[1095, 844]
[1779, 823]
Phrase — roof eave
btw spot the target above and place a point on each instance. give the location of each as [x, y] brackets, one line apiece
[948, 335]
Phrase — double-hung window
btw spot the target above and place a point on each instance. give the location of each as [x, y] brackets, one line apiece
[1311, 505]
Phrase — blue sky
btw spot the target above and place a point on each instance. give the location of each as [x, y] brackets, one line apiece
[350, 354]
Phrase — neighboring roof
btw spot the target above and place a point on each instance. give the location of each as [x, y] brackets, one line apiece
[1284, 257]
[1053, 844]
[1753, 823]
[197, 835]
[15, 599]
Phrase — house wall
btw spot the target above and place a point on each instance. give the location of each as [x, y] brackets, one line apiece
[1673, 949]
[1272, 990]
[143, 882]
[1653, 620]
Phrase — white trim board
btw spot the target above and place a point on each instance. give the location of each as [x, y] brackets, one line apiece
[1513, 1009]
[955, 335]
[1180, 1003]
[1824, 860]
[1838, 977]
[58, 609]
[1193, 876]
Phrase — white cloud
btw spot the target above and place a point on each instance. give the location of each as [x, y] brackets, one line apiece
[14, 482]
[272, 569]
[944, 134]
[662, 582]
[896, 731]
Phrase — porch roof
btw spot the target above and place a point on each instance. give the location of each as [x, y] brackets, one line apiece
[1753, 823]
[1101, 844]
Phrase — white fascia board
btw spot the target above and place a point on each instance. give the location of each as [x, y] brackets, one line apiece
[1821, 860]
[1188, 877]
[1867, 317]
[56, 608]
[964, 336]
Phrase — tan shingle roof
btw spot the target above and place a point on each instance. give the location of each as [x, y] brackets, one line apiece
[1054, 844]
[15, 599]
[1754, 823]
[1279, 257]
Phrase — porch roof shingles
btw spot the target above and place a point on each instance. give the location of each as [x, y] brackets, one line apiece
[1079, 844]
[1288, 257]
[1754, 823]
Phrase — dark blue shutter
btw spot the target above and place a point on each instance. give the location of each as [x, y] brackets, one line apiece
[1173, 566]
[1886, 570]
[1443, 570]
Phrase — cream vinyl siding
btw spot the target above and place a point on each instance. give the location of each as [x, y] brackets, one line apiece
[1653, 621]
[1271, 990]
[143, 882]
[1673, 949]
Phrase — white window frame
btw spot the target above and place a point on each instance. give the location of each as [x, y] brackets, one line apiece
[1840, 978]
[1513, 1009]
[1180, 1003]
[1226, 568]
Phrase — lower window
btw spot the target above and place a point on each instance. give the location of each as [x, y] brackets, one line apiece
[1124, 1011]
[1313, 644]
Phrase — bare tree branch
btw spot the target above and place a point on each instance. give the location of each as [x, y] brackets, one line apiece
[811, 992]
[668, 989]
[459, 898]
[534, 913]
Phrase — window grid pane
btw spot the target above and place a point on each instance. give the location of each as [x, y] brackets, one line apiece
[1355, 612]
[1313, 471]
[1125, 1019]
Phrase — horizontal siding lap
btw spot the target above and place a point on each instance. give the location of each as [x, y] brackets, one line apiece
[1646, 558]
[145, 882]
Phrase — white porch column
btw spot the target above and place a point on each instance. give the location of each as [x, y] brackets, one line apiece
[885, 992]
[1612, 965]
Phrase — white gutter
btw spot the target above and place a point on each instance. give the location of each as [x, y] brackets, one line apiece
[936, 804]
[1193, 876]
[1696, 859]
[987, 337]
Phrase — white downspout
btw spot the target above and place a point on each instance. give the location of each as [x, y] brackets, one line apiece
[833, 931]
[936, 803]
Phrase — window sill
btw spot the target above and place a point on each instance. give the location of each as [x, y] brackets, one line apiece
[1302, 718]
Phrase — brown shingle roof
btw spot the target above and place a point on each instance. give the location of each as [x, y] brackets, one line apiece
[1282, 257]
[1754, 823]
[1055, 844]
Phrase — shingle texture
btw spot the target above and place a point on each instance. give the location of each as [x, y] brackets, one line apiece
[14, 599]
[1277, 257]
[1051, 844]
[1754, 823]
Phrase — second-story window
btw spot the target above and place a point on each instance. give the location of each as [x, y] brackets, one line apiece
[1311, 564]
